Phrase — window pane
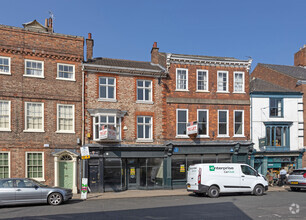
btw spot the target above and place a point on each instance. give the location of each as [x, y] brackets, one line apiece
[140, 131]
[148, 131]
[181, 128]
[222, 116]
[222, 129]
[139, 94]
[182, 116]
[111, 81]
[111, 92]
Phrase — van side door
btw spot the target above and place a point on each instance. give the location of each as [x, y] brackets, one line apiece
[248, 177]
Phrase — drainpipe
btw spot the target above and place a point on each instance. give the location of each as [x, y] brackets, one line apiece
[83, 117]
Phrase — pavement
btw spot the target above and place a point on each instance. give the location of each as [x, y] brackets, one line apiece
[153, 193]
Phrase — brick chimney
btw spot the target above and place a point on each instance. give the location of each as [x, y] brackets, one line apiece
[49, 24]
[89, 47]
[300, 57]
[154, 53]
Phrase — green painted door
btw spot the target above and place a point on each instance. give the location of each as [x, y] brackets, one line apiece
[66, 174]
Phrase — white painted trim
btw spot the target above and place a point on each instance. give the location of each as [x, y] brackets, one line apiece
[25, 118]
[243, 81]
[143, 88]
[9, 72]
[227, 122]
[115, 89]
[181, 135]
[43, 164]
[10, 110]
[9, 162]
[207, 83]
[73, 120]
[37, 61]
[222, 71]
[61, 78]
[239, 135]
[176, 89]
[144, 139]
[207, 112]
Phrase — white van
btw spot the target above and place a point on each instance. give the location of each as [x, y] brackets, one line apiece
[215, 178]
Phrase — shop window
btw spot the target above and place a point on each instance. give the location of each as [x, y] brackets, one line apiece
[193, 159]
[276, 107]
[113, 174]
[178, 166]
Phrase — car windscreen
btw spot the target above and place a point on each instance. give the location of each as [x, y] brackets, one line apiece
[298, 172]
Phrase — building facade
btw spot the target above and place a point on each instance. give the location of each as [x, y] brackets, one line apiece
[276, 126]
[40, 103]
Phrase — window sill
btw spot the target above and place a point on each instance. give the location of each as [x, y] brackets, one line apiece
[107, 100]
[204, 91]
[223, 92]
[5, 73]
[8, 130]
[40, 77]
[203, 136]
[33, 131]
[182, 136]
[239, 92]
[65, 132]
[223, 136]
[240, 136]
[144, 141]
[145, 102]
[72, 80]
[181, 90]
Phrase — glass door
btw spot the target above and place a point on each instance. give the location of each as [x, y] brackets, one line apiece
[132, 173]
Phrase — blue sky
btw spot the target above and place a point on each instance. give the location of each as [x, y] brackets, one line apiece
[269, 31]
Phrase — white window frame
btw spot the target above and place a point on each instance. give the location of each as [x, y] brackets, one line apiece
[25, 118]
[62, 78]
[43, 165]
[9, 162]
[150, 101]
[239, 135]
[207, 82]
[115, 85]
[73, 120]
[207, 112]
[150, 139]
[177, 89]
[181, 135]
[9, 107]
[227, 122]
[9, 65]
[222, 91]
[37, 61]
[243, 82]
[94, 127]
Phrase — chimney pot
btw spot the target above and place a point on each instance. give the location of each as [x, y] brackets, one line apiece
[46, 22]
[89, 35]
[155, 45]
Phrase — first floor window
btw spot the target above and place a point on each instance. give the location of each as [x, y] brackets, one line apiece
[107, 86]
[34, 116]
[144, 127]
[4, 165]
[203, 122]
[202, 80]
[238, 118]
[277, 135]
[5, 115]
[65, 118]
[222, 81]
[144, 90]
[110, 121]
[223, 122]
[181, 79]
[181, 121]
[276, 109]
[35, 167]
[34, 68]
[238, 81]
[5, 65]
[65, 71]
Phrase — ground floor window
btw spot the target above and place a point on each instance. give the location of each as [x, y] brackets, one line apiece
[35, 165]
[4, 165]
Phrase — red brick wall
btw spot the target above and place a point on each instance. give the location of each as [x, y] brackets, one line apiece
[300, 57]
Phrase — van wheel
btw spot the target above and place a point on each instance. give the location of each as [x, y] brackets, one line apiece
[213, 192]
[258, 190]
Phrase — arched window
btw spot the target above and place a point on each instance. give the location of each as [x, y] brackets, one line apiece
[65, 157]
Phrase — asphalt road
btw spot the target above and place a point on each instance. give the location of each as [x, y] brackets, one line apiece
[274, 205]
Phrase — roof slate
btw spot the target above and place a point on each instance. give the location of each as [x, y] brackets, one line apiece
[259, 85]
[200, 57]
[293, 71]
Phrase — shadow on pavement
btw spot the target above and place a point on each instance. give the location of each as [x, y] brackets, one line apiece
[225, 210]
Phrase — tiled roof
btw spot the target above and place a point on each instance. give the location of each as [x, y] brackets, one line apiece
[124, 63]
[293, 71]
[215, 58]
[259, 85]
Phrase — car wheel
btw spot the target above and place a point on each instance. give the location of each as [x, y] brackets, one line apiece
[55, 199]
[213, 192]
[258, 190]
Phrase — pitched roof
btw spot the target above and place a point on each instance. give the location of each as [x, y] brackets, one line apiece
[293, 71]
[200, 57]
[259, 85]
[124, 63]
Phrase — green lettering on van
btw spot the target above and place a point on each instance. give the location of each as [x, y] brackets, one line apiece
[211, 168]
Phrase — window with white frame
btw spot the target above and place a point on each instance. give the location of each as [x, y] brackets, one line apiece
[181, 122]
[65, 118]
[34, 68]
[34, 116]
[238, 81]
[202, 122]
[144, 90]
[106, 120]
[65, 71]
[4, 165]
[144, 127]
[35, 165]
[222, 122]
[222, 81]
[107, 88]
[238, 123]
[5, 115]
[5, 65]
[181, 79]
[202, 80]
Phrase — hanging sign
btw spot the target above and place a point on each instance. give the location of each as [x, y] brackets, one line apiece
[85, 153]
[84, 188]
[192, 128]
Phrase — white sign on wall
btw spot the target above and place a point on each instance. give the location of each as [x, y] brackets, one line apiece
[192, 128]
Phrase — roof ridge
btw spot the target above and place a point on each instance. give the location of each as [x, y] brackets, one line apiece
[120, 59]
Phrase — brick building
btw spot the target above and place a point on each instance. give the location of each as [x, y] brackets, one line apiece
[290, 77]
[123, 123]
[40, 103]
[212, 94]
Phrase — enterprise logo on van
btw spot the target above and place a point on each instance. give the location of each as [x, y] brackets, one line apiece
[225, 169]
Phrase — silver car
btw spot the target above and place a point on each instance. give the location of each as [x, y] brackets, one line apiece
[297, 179]
[25, 191]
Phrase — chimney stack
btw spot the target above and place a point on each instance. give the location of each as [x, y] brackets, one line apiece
[49, 24]
[154, 53]
[89, 47]
[300, 57]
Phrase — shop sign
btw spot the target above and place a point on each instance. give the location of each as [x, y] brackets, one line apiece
[85, 153]
[192, 128]
[182, 168]
[107, 132]
[84, 188]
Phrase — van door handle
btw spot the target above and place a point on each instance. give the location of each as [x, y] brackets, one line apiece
[242, 176]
